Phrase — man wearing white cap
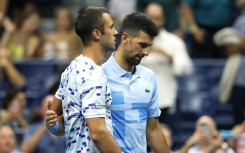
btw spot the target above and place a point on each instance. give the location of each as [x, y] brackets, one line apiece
[232, 85]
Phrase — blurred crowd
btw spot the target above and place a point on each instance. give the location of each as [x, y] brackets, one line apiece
[187, 30]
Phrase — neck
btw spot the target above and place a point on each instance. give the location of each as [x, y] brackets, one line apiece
[121, 60]
[95, 53]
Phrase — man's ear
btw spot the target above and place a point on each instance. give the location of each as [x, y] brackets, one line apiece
[96, 34]
[125, 37]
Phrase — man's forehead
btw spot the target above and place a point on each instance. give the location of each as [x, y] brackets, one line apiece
[144, 37]
[107, 17]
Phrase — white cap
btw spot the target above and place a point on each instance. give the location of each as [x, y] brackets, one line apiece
[227, 36]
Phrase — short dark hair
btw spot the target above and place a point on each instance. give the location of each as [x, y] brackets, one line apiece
[88, 19]
[135, 22]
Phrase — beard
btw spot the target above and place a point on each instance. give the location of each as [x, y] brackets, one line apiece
[134, 60]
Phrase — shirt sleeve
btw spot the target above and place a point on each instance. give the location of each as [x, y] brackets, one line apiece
[92, 97]
[153, 109]
[59, 93]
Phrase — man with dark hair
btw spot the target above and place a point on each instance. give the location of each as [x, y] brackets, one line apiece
[134, 89]
[83, 96]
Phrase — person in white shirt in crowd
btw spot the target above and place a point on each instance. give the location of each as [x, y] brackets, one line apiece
[168, 58]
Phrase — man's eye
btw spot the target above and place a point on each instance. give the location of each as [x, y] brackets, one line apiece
[111, 27]
[143, 45]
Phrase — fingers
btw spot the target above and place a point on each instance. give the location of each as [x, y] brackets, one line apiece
[49, 104]
[50, 118]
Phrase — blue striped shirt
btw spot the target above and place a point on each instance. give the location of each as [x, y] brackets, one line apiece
[84, 94]
[134, 100]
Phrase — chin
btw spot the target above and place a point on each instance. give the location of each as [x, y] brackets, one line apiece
[137, 62]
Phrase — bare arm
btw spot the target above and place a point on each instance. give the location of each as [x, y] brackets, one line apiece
[9, 28]
[194, 139]
[31, 143]
[155, 136]
[32, 47]
[3, 8]
[101, 137]
[54, 114]
[14, 76]
[187, 14]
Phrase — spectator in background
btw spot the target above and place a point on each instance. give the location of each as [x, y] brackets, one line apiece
[239, 132]
[9, 75]
[204, 18]
[232, 84]
[3, 8]
[7, 139]
[171, 13]
[240, 20]
[119, 9]
[22, 39]
[14, 111]
[13, 108]
[38, 140]
[168, 58]
[205, 138]
[63, 43]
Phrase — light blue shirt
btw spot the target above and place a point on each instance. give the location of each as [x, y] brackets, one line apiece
[84, 94]
[134, 100]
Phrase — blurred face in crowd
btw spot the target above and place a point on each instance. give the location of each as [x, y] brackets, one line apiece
[108, 38]
[155, 12]
[31, 22]
[18, 103]
[7, 139]
[63, 20]
[135, 48]
[207, 126]
[21, 99]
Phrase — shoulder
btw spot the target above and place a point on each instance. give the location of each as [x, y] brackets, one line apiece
[81, 66]
[107, 65]
[146, 73]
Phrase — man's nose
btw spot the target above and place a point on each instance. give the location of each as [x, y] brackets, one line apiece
[115, 32]
[146, 51]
